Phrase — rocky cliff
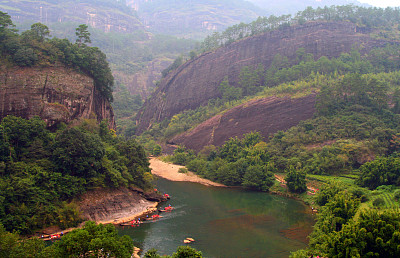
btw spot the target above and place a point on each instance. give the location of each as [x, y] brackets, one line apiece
[197, 81]
[267, 116]
[116, 205]
[56, 94]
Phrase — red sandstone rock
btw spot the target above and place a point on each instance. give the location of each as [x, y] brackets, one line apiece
[56, 94]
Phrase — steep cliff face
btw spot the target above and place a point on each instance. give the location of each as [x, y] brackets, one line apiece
[197, 81]
[56, 94]
[114, 205]
[267, 116]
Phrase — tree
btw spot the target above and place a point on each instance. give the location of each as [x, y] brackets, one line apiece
[77, 153]
[187, 252]
[94, 240]
[5, 21]
[296, 180]
[373, 234]
[83, 35]
[40, 31]
[258, 178]
[229, 92]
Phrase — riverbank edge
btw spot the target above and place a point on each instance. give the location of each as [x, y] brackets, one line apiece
[279, 178]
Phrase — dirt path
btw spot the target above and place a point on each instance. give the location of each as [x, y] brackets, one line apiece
[170, 172]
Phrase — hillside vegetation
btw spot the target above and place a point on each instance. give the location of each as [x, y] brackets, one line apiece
[348, 153]
[34, 48]
[42, 170]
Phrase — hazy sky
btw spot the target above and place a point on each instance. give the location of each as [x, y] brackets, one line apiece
[382, 3]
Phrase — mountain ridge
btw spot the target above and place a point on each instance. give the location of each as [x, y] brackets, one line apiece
[188, 88]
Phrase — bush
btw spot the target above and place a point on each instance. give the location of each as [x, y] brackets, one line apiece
[397, 195]
[378, 202]
[25, 56]
[182, 170]
[296, 181]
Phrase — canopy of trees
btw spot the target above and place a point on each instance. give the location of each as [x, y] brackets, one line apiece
[41, 171]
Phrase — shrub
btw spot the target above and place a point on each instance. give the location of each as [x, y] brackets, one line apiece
[378, 202]
[182, 170]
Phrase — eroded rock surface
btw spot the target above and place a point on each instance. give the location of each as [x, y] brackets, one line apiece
[56, 94]
[267, 116]
[196, 82]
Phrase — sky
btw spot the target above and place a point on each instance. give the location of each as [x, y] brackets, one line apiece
[382, 3]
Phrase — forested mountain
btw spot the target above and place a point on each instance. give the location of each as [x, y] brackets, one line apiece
[279, 7]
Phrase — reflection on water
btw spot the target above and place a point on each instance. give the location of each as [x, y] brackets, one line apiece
[225, 222]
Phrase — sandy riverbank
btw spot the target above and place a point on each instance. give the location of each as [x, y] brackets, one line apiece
[170, 172]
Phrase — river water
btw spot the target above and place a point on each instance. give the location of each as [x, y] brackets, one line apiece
[225, 222]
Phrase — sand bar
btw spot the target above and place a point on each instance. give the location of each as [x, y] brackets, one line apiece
[170, 172]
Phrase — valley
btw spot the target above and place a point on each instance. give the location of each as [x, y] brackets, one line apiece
[290, 124]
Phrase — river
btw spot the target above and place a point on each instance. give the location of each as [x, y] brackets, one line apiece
[225, 222]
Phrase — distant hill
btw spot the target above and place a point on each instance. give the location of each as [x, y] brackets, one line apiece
[107, 15]
[194, 18]
[278, 7]
[196, 82]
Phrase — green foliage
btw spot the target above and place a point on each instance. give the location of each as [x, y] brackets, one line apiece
[381, 171]
[98, 240]
[39, 31]
[11, 245]
[229, 92]
[296, 180]
[157, 150]
[187, 251]
[251, 79]
[364, 17]
[182, 170]
[77, 153]
[42, 171]
[374, 234]
[33, 47]
[239, 162]
[25, 56]
[258, 178]
[181, 252]
[178, 62]
[83, 35]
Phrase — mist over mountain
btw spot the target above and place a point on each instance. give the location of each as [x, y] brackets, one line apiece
[194, 18]
[293, 6]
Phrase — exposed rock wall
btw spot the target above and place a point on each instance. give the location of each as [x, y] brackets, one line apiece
[112, 204]
[56, 94]
[267, 116]
[197, 81]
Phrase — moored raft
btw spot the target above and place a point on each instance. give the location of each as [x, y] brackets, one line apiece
[188, 240]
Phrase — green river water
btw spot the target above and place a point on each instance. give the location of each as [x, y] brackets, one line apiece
[225, 222]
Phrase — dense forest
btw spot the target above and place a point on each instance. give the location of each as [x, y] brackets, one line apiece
[42, 171]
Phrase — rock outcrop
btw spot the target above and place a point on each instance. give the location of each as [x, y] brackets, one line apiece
[113, 205]
[267, 116]
[56, 94]
[196, 82]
